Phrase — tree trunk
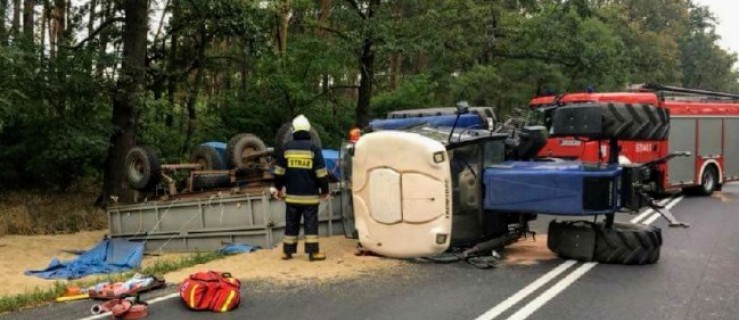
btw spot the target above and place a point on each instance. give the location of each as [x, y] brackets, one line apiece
[396, 58]
[366, 69]
[104, 39]
[3, 31]
[172, 66]
[51, 12]
[192, 116]
[91, 19]
[15, 27]
[28, 19]
[323, 22]
[127, 97]
[284, 25]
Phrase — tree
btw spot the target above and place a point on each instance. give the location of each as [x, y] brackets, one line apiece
[127, 98]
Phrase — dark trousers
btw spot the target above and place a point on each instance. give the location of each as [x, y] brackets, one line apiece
[293, 213]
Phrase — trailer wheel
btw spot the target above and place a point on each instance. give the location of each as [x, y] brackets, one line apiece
[208, 157]
[143, 168]
[627, 243]
[285, 134]
[612, 120]
[241, 146]
[709, 181]
[210, 181]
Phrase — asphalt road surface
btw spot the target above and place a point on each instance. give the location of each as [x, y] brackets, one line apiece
[694, 279]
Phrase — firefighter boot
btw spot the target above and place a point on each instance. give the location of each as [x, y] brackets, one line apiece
[287, 256]
[317, 256]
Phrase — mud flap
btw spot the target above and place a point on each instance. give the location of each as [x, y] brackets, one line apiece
[572, 239]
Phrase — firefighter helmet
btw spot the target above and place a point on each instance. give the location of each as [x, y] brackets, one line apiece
[301, 123]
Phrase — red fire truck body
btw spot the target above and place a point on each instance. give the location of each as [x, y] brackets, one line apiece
[704, 123]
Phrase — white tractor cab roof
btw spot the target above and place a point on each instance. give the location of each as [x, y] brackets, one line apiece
[405, 186]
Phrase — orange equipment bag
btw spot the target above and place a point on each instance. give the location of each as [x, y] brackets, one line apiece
[211, 290]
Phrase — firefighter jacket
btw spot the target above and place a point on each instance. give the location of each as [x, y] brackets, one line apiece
[300, 168]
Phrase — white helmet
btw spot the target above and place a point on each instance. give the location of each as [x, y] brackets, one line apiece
[301, 123]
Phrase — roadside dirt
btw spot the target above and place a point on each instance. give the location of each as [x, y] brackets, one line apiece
[21, 253]
[529, 252]
[724, 197]
[341, 264]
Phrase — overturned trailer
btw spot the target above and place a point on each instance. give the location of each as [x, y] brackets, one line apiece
[214, 201]
[207, 221]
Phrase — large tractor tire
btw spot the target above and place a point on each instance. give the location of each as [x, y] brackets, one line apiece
[612, 120]
[624, 243]
[285, 134]
[627, 243]
[143, 169]
[208, 157]
[202, 182]
[241, 146]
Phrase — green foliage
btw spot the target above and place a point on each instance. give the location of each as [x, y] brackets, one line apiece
[413, 93]
[222, 58]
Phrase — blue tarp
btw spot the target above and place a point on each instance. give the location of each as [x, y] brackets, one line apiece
[331, 157]
[108, 256]
[236, 248]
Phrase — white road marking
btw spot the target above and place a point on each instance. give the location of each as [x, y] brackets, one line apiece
[560, 286]
[525, 292]
[552, 292]
[150, 302]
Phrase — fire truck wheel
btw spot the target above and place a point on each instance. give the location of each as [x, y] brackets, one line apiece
[285, 134]
[627, 243]
[240, 146]
[635, 122]
[208, 157]
[143, 168]
[210, 181]
[709, 181]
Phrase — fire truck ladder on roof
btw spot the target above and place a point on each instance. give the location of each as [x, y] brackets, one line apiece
[693, 93]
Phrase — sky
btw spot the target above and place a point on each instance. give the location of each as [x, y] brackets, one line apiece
[728, 28]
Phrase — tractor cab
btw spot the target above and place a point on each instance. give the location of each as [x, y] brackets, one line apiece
[415, 192]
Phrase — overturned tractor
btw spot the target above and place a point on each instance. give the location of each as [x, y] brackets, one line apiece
[422, 190]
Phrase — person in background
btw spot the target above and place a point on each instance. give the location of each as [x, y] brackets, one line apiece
[301, 170]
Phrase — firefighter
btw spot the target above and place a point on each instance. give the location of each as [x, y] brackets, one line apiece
[300, 169]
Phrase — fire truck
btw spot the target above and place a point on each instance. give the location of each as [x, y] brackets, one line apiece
[704, 124]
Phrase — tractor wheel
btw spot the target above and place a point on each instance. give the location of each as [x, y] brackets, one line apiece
[143, 168]
[285, 134]
[208, 157]
[709, 182]
[241, 146]
[210, 181]
[627, 243]
[613, 120]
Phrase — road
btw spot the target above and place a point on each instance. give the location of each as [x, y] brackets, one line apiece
[694, 279]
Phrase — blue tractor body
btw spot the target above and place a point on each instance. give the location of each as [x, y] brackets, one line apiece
[562, 188]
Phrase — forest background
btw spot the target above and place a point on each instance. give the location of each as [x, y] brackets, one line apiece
[81, 82]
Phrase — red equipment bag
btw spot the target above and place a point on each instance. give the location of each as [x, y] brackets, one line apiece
[211, 290]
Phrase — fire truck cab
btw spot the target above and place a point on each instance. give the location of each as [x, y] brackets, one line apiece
[703, 123]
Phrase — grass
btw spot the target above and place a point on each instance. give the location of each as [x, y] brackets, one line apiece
[43, 212]
[40, 296]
